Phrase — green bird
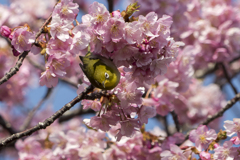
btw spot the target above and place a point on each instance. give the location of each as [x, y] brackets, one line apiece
[101, 72]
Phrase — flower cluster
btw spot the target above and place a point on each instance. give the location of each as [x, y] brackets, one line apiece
[212, 27]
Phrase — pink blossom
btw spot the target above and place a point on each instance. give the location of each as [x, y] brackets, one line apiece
[59, 29]
[205, 155]
[235, 140]
[133, 33]
[57, 46]
[94, 105]
[80, 40]
[48, 78]
[232, 127]
[145, 113]
[113, 30]
[224, 152]
[99, 13]
[102, 122]
[174, 153]
[22, 39]
[29, 145]
[131, 94]
[128, 127]
[149, 25]
[66, 9]
[58, 64]
[202, 137]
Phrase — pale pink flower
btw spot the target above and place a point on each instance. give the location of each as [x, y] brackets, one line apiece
[103, 122]
[235, 140]
[66, 9]
[202, 137]
[93, 104]
[224, 152]
[48, 78]
[80, 40]
[22, 39]
[30, 145]
[145, 113]
[205, 155]
[99, 13]
[59, 29]
[133, 33]
[149, 24]
[128, 127]
[174, 153]
[113, 30]
[232, 127]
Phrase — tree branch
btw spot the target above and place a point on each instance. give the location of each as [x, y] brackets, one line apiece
[42, 68]
[175, 118]
[110, 5]
[48, 121]
[220, 113]
[228, 78]
[77, 112]
[6, 125]
[33, 111]
[18, 64]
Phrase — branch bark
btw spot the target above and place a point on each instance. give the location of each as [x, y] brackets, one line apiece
[220, 113]
[48, 121]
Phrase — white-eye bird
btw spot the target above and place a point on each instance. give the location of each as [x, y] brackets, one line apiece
[101, 72]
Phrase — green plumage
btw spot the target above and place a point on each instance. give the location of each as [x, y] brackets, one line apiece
[101, 72]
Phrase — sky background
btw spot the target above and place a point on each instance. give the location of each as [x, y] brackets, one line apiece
[62, 94]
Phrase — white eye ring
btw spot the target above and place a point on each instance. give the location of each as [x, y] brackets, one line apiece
[106, 75]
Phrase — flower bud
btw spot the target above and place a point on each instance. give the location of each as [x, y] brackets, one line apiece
[5, 31]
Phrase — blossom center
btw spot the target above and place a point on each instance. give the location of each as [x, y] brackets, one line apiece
[21, 40]
[114, 29]
[100, 18]
[65, 10]
[203, 139]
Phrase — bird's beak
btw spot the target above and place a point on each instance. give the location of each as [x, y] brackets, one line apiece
[103, 83]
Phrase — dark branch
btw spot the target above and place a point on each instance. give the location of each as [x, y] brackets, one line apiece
[6, 125]
[220, 113]
[48, 121]
[18, 64]
[27, 121]
[42, 68]
[15, 69]
[175, 118]
[110, 5]
[78, 112]
[228, 78]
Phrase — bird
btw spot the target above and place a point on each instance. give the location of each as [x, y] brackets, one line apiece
[101, 71]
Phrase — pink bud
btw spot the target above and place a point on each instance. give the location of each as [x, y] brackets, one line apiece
[15, 52]
[116, 14]
[235, 140]
[5, 31]
[216, 145]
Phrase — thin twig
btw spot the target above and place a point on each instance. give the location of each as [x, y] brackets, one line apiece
[42, 68]
[71, 114]
[228, 78]
[110, 5]
[220, 113]
[18, 64]
[27, 121]
[48, 121]
[6, 125]
[77, 112]
[175, 118]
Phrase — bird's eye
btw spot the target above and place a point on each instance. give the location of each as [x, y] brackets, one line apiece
[106, 75]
